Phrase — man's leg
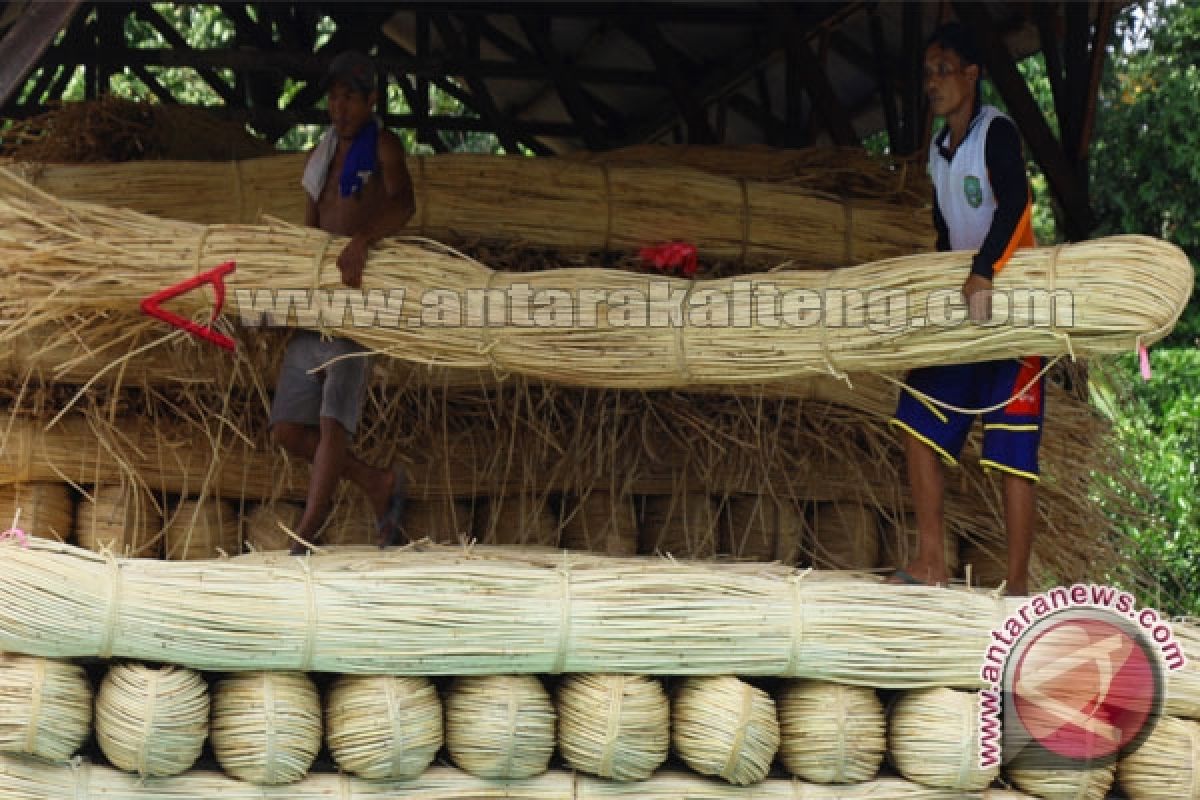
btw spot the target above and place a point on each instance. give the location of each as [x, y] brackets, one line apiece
[927, 483]
[1020, 513]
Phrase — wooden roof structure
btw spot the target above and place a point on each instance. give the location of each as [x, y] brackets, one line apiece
[558, 76]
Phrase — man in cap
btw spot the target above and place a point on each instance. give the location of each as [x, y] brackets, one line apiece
[357, 185]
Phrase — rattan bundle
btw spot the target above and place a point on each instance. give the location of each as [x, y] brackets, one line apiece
[763, 528]
[1126, 291]
[45, 707]
[682, 524]
[120, 519]
[152, 720]
[41, 509]
[845, 535]
[723, 726]
[500, 726]
[199, 529]
[1166, 765]
[260, 528]
[901, 538]
[266, 726]
[934, 739]
[614, 726]
[442, 519]
[382, 727]
[1073, 783]
[523, 518]
[831, 733]
[1183, 684]
[601, 522]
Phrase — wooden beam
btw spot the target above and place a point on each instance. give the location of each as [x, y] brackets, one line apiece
[816, 80]
[912, 111]
[180, 51]
[1105, 18]
[537, 31]
[774, 130]
[28, 39]
[676, 76]
[1046, 18]
[1060, 172]
[883, 80]
[152, 83]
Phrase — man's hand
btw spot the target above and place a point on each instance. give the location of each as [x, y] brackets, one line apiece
[977, 291]
[351, 262]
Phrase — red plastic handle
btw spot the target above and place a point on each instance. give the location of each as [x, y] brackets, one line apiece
[152, 305]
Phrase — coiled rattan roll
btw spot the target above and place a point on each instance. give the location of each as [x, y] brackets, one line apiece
[1167, 764]
[200, 529]
[500, 726]
[721, 725]
[382, 727]
[45, 707]
[1076, 783]
[934, 739]
[831, 733]
[614, 726]
[152, 720]
[266, 726]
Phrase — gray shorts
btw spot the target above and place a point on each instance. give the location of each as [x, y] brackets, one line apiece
[336, 391]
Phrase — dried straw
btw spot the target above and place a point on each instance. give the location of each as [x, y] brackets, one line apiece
[763, 528]
[383, 727]
[1075, 783]
[440, 519]
[119, 518]
[723, 726]
[601, 522]
[266, 726]
[434, 613]
[200, 529]
[152, 720]
[845, 535]
[42, 509]
[67, 259]
[500, 726]
[614, 726]
[261, 529]
[1165, 765]
[900, 539]
[683, 524]
[933, 739]
[45, 707]
[830, 733]
[523, 519]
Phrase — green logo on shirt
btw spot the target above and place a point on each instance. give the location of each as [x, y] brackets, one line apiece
[973, 191]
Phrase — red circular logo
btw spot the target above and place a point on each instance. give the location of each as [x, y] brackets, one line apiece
[1085, 687]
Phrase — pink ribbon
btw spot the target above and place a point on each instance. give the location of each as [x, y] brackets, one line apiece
[17, 535]
[1144, 361]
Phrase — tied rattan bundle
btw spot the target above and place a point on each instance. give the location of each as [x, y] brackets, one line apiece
[121, 520]
[500, 726]
[201, 529]
[764, 528]
[1074, 783]
[831, 733]
[601, 522]
[845, 536]
[1167, 764]
[45, 707]
[42, 508]
[383, 727]
[723, 726]
[683, 524]
[266, 726]
[523, 518]
[442, 519]
[900, 542]
[614, 726]
[1183, 685]
[934, 739]
[260, 528]
[152, 720]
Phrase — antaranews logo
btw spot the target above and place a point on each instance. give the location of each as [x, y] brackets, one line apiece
[1076, 678]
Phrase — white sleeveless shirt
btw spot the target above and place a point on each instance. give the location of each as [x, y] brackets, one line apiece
[964, 193]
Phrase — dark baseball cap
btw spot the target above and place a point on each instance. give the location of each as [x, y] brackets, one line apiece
[353, 68]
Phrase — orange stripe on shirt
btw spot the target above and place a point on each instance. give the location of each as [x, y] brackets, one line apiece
[1022, 237]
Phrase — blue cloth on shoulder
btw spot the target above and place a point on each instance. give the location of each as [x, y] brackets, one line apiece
[361, 160]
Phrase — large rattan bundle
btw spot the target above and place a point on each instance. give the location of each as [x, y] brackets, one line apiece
[204, 528]
[266, 726]
[120, 519]
[42, 509]
[152, 720]
[1166, 765]
[1183, 684]
[261, 529]
[723, 726]
[934, 739]
[831, 733]
[500, 726]
[1126, 291]
[45, 707]
[1073, 783]
[682, 524]
[382, 727]
[901, 538]
[441, 519]
[614, 726]
[845, 535]
[525, 519]
[763, 528]
[601, 522]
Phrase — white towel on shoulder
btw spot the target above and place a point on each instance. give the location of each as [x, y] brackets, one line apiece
[317, 169]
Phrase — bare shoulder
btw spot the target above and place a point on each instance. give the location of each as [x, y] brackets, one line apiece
[391, 148]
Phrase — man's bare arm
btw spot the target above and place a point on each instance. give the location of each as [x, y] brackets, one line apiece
[398, 207]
